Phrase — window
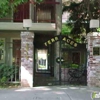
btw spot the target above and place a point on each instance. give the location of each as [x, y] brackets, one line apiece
[45, 12]
[96, 50]
[76, 57]
[2, 43]
[21, 12]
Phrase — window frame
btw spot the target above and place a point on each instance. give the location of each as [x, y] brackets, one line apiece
[3, 48]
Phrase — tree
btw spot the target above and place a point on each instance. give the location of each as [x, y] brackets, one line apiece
[66, 29]
[81, 12]
[6, 6]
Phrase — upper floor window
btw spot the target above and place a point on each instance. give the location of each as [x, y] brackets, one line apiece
[44, 12]
[21, 12]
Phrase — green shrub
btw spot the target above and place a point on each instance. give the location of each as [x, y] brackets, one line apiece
[3, 80]
[69, 65]
[6, 72]
[74, 66]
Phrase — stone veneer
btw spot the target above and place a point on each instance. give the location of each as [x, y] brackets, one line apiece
[27, 59]
[64, 74]
[93, 63]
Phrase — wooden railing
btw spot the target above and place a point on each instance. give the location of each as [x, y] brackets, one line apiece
[40, 13]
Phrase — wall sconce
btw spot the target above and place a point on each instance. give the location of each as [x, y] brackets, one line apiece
[94, 23]
[27, 23]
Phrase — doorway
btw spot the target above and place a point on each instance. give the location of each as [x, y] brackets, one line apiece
[76, 58]
[41, 59]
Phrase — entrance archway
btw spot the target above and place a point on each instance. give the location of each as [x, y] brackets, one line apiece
[71, 51]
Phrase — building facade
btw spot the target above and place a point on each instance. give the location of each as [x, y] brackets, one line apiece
[20, 47]
[26, 50]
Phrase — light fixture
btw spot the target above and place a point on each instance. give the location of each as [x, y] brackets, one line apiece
[94, 23]
[27, 23]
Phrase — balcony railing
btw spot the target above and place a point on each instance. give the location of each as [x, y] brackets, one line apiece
[39, 13]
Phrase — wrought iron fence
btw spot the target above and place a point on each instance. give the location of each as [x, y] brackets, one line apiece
[15, 77]
[9, 73]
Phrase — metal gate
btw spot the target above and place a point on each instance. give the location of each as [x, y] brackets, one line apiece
[63, 74]
[14, 47]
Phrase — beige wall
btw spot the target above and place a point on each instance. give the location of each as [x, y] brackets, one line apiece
[8, 45]
[9, 34]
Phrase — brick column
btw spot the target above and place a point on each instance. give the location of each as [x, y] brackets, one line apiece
[93, 65]
[27, 59]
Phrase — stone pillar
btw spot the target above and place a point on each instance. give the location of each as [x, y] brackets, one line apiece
[59, 16]
[56, 54]
[58, 28]
[93, 64]
[27, 59]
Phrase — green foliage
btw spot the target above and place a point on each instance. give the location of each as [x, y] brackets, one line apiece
[3, 80]
[4, 9]
[98, 29]
[89, 9]
[66, 29]
[80, 14]
[74, 66]
[6, 6]
[69, 65]
[6, 72]
[1, 42]
[39, 1]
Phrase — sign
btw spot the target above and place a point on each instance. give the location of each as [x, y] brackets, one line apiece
[58, 60]
[95, 96]
[61, 38]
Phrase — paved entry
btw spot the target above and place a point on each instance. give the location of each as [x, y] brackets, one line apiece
[68, 77]
[49, 93]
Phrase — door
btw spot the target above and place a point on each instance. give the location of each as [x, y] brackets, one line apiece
[76, 57]
[41, 61]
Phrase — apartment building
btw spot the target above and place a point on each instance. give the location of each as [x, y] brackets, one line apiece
[26, 49]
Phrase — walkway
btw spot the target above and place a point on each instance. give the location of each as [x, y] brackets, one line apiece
[48, 93]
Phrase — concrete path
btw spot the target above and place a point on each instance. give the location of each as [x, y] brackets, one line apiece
[49, 93]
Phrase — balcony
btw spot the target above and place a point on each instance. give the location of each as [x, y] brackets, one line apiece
[39, 13]
[42, 15]
[35, 26]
